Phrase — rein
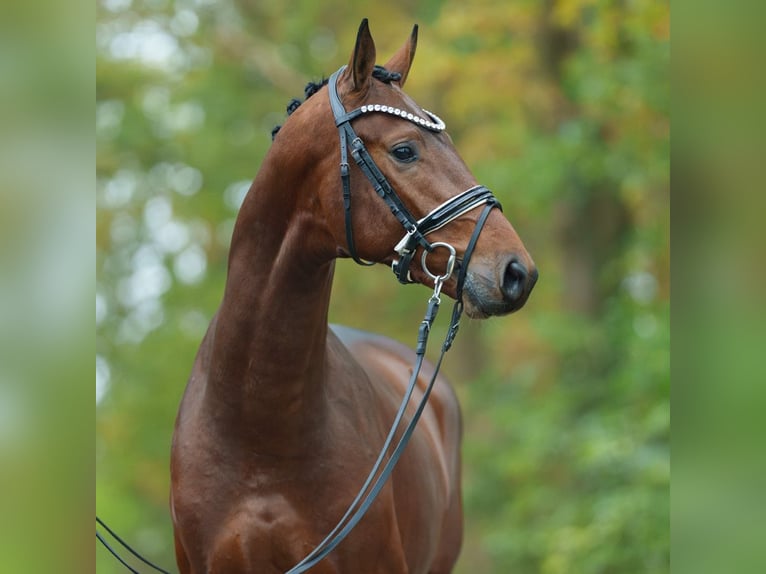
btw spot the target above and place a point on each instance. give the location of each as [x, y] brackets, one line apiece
[416, 231]
[125, 545]
[362, 502]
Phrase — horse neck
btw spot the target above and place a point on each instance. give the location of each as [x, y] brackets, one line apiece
[269, 346]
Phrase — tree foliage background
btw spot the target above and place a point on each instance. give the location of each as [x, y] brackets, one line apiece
[560, 106]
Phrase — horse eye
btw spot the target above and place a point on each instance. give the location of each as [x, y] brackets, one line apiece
[404, 153]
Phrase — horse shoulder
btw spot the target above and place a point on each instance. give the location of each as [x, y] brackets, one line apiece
[385, 358]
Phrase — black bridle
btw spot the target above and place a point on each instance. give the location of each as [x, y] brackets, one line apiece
[416, 231]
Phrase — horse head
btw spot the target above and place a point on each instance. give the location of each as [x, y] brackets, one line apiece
[412, 163]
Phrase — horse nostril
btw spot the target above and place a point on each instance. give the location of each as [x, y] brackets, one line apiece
[514, 280]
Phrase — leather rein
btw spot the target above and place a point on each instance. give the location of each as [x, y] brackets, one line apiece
[415, 235]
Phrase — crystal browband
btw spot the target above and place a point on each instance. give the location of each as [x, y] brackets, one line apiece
[437, 125]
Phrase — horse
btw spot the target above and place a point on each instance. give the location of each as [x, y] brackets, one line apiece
[283, 414]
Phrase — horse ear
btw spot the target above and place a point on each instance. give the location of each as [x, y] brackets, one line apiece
[363, 59]
[402, 60]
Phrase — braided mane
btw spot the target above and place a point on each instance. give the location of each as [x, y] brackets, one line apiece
[379, 73]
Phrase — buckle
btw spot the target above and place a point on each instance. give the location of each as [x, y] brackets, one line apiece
[404, 246]
[395, 268]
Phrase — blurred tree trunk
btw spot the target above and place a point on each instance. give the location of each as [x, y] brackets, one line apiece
[590, 233]
[591, 221]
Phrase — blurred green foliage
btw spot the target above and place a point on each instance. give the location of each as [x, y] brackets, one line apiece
[561, 107]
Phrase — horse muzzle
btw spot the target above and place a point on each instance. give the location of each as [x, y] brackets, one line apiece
[489, 292]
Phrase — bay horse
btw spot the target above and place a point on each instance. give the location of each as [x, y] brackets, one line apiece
[283, 415]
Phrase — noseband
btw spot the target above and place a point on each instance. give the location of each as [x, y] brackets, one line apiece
[415, 229]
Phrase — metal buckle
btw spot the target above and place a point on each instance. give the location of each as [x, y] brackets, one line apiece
[400, 247]
[395, 268]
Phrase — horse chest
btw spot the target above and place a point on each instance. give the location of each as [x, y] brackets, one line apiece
[266, 509]
[272, 521]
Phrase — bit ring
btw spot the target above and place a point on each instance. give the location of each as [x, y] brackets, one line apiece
[450, 262]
